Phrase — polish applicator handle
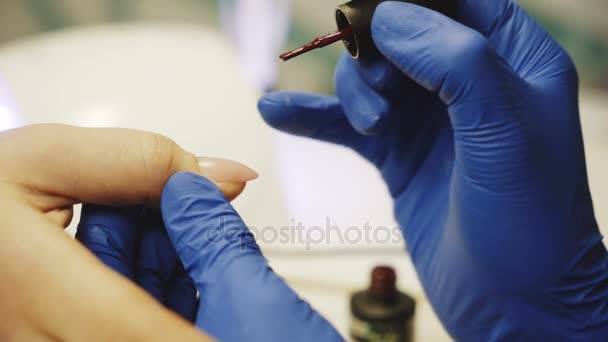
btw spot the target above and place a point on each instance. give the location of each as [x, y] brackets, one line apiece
[354, 20]
[358, 14]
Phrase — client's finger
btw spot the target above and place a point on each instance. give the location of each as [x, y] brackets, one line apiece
[68, 164]
[66, 294]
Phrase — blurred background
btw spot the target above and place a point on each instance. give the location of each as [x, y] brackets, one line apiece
[583, 30]
[193, 70]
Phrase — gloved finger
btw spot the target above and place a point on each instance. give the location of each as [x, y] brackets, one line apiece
[366, 109]
[486, 17]
[482, 92]
[367, 86]
[206, 232]
[156, 259]
[235, 283]
[382, 76]
[110, 233]
[436, 52]
[180, 294]
[517, 38]
[386, 79]
[317, 117]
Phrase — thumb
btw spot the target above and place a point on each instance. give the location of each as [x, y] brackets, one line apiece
[206, 232]
[241, 298]
[481, 91]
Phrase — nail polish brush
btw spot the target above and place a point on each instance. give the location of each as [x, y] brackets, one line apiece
[354, 20]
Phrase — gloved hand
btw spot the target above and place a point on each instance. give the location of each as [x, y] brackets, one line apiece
[241, 298]
[133, 242]
[474, 125]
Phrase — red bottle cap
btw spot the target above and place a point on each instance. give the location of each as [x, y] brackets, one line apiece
[383, 283]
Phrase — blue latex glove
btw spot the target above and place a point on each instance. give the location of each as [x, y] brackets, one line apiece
[474, 125]
[134, 243]
[241, 298]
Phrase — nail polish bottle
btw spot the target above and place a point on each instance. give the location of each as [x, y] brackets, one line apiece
[382, 313]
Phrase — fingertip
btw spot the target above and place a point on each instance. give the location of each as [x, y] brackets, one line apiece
[388, 10]
[395, 22]
[200, 222]
[301, 114]
[220, 170]
[184, 190]
[382, 16]
[315, 116]
[280, 101]
[432, 50]
[372, 122]
[232, 190]
[185, 184]
[381, 74]
[366, 109]
[269, 102]
[273, 107]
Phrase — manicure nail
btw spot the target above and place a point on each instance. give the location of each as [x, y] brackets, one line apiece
[225, 171]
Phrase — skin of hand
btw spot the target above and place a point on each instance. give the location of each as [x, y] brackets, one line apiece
[241, 298]
[473, 123]
[52, 288]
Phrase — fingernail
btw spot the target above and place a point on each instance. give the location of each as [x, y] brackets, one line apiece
[225, 171]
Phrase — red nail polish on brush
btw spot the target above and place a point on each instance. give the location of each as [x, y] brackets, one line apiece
[318, 43]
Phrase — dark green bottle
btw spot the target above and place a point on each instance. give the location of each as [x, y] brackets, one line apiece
[382, 313]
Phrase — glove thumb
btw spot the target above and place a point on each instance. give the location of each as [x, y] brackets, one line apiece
[482, 92]
[206, 231]
[242, 299]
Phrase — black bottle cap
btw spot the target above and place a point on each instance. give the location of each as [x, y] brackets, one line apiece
[358, 14]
